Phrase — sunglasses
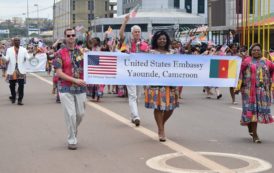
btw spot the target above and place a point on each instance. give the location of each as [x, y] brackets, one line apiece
[72, 35]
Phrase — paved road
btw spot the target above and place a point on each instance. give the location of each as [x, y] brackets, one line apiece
[33, 136]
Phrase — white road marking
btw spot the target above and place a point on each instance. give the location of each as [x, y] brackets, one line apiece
[233, 107]
[41, 78]
[255, 165]
[172, 145]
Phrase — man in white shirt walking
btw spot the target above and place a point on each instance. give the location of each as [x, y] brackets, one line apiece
[16, 57]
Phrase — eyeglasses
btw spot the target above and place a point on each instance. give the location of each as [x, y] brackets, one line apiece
[72, 35]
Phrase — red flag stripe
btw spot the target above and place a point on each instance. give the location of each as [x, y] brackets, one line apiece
[90, 68]
[223, 68]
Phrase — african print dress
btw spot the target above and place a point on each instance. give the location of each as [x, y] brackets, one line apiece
[163, 98]
[255, 84]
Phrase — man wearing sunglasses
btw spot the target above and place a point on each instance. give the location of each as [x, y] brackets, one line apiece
[72, 87]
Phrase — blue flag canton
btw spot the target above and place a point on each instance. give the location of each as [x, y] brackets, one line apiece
[93, 60]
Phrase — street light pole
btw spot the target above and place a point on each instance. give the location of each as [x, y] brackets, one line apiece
[24, 14]
[54, 13]
[36, 5]
[27, 20]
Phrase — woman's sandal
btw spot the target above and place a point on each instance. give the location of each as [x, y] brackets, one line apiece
[162, 139]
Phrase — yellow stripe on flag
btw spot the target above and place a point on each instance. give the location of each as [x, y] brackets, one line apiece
[232, 69]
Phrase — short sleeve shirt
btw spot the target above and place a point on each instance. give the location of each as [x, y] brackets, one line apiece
[71, 63]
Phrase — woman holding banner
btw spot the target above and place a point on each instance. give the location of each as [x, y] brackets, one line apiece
[255, 81]
[163, 99]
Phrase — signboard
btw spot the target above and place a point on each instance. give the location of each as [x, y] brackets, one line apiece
[160, 69]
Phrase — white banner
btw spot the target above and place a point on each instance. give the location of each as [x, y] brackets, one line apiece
[161, 69]
[36, 63]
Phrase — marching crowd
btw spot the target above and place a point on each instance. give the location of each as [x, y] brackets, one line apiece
[65, 62]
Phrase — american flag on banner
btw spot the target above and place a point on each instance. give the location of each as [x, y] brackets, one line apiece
[102, 65]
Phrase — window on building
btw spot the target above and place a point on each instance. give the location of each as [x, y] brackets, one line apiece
[251, 6]
[127, 10]
[89, 17]
[176, 3]
[73, 5]
[106, 15]
[239, 6]
[201, 6]
[92, 5]
[188, 6]
[106, 6]
[89, 5]
[73, 18]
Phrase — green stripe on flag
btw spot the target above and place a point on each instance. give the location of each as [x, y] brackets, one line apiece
[214, 68]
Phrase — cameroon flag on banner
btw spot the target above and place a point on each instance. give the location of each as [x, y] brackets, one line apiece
[220, 68]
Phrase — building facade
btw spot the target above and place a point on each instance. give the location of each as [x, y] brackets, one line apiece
[196, 7]
[79, 13]
[165, 14]
[248, 20]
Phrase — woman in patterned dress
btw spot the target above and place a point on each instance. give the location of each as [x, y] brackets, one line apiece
[163, 99]
[255, 84]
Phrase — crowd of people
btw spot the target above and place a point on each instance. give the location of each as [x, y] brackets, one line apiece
[65, 62]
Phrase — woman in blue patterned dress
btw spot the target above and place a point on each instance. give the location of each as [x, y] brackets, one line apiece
[255, 84]
[163, 99]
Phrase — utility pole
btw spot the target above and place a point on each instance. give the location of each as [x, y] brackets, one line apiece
[53, 18]
[27, 20]
[38, 21]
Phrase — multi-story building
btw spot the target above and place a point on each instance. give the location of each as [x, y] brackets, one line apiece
[18, 21]
[190, 6]
[249, 20]
[73, 13]
[152, 14]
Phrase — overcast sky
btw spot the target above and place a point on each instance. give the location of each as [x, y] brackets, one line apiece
[16, 8]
